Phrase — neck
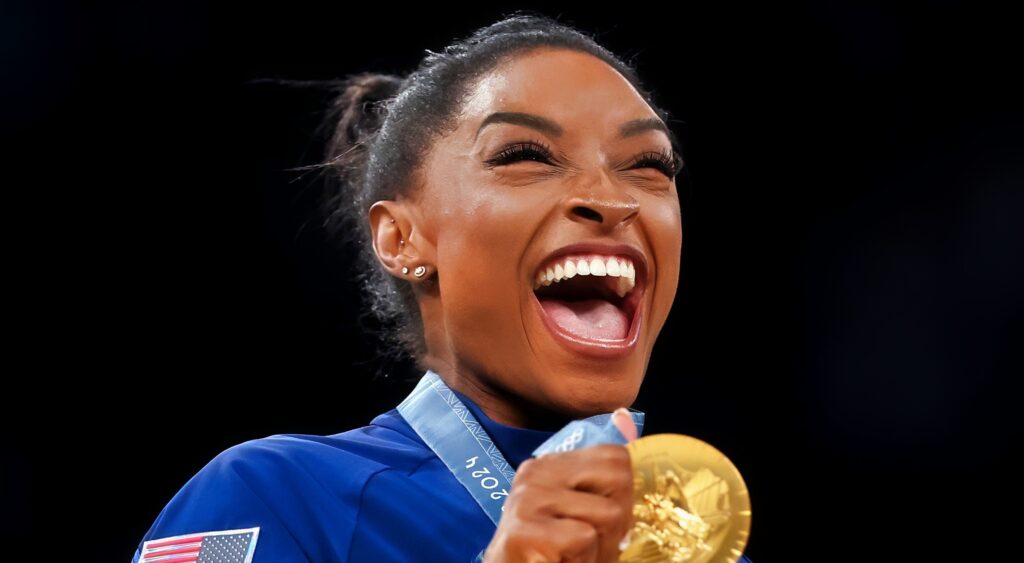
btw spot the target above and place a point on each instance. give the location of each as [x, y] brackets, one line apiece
[502, 405]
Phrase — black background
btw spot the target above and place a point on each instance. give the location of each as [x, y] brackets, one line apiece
[847, 328]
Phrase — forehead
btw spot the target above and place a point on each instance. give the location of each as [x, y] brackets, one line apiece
[575, 89]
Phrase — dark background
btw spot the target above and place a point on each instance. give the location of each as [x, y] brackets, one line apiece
[848, 323]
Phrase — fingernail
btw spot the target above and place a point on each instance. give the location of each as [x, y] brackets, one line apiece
[625, 540]
[621, 411]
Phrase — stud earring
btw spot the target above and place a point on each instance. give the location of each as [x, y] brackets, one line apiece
[420, 270]
[405, 270]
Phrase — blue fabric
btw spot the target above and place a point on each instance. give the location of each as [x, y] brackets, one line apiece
[375, 493]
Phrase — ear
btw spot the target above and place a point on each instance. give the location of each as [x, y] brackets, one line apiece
[398, 241]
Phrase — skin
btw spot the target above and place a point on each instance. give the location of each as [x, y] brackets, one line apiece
[482, 233]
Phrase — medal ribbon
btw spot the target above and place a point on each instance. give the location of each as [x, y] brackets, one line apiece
[448, 427]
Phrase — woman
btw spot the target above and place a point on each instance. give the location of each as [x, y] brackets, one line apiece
[515, 201]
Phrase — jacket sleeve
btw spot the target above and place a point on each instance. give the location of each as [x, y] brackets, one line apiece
[220, 499]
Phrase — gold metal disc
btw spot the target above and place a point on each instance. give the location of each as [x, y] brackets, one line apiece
[690, 503]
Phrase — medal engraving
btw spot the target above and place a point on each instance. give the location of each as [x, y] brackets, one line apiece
[690, 503]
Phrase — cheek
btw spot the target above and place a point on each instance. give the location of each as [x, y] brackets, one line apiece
[480, 249]
[665, 231]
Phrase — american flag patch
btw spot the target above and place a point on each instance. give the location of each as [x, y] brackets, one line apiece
[227, 546]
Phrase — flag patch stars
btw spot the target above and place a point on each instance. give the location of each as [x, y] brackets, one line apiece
[225, 546]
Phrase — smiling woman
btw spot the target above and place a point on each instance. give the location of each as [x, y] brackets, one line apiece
[533, 175]
[515, 204]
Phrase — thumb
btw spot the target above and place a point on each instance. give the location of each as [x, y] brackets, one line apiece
[624, 422]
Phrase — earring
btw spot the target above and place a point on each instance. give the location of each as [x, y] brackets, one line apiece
[401, 242]
[420, 270]
[405, 270]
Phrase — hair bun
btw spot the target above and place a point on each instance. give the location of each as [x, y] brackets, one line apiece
[355, 114]
[358, 107]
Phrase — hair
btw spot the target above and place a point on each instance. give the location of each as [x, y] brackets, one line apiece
[382, 126]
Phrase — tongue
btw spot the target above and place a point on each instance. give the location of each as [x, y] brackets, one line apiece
[589, 318]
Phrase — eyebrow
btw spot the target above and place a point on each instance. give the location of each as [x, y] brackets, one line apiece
[628, 129]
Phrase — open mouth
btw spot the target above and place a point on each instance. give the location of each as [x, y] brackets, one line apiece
[591, 302]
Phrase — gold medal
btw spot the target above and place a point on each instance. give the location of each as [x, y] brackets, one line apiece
[690, 503]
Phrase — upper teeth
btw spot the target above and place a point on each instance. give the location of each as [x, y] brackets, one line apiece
[571, 266]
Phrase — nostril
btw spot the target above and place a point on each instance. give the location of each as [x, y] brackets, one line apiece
[587, 212]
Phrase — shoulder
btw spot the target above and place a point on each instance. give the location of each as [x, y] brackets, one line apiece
[293, 487]
[351, 456]
[284, 466]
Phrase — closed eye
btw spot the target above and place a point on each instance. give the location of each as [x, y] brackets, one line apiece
[667, 162]
[530, 150]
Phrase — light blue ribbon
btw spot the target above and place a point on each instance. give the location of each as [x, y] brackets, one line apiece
[448, 427]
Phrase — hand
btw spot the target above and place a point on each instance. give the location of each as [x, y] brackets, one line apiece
[573, 506]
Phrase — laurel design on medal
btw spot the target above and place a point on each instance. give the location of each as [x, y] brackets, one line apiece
[690, 503]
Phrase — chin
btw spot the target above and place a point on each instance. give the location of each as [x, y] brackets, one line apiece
[597, 399]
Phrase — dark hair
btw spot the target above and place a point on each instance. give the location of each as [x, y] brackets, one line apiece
[383, 125]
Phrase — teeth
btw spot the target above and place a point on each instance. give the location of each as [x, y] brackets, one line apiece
[621, 268]
[622, 286]
[613, 267]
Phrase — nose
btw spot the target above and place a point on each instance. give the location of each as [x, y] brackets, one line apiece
[604, 204]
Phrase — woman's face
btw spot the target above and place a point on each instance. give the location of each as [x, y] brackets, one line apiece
[496, 226]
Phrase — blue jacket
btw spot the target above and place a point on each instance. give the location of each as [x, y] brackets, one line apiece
[375, 493]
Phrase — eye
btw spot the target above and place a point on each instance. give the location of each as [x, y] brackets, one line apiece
[668, 162]
[528, 150]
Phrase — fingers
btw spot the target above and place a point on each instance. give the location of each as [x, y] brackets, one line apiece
[563, 488]
[580, 540]
[552, 540]
[605, 469]
[573, 506]
[612, 518]
[624, 422]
